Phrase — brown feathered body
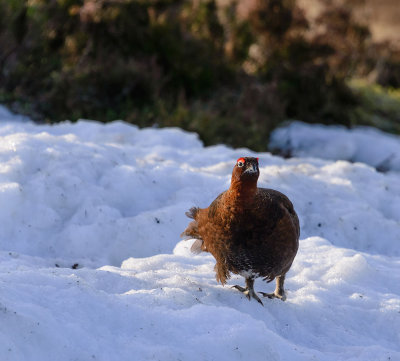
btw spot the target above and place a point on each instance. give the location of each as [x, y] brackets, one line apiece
[253, 232]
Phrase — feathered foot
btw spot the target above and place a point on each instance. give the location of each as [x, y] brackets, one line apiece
[249, 290]
[279, 290]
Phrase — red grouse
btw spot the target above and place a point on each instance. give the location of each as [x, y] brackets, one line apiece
[253, 232]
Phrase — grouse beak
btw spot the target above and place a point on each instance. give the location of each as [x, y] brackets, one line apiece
[251, 168]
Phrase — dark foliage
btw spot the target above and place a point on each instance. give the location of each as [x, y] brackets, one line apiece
[180, 63]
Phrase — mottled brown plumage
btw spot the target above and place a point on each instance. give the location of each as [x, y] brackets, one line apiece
[253, 232]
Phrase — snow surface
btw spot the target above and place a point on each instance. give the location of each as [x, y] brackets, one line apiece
[361, 144]
[110, 199]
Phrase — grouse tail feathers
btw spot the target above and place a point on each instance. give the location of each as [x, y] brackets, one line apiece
[197, 246]
[192, 212]
[191, 231]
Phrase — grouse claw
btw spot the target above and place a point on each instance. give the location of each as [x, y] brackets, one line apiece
[249, 293]
[274, 295]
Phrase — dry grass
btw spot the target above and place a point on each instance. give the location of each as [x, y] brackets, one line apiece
[382, 16]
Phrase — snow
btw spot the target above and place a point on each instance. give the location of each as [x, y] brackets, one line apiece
[109, 200]
[361, 144]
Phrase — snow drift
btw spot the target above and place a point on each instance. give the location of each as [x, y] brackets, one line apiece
[361, 144]
[109, 200]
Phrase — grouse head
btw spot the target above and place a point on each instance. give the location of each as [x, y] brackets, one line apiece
[246, 171]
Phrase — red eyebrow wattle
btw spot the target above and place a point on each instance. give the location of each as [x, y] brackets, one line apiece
[241, 160]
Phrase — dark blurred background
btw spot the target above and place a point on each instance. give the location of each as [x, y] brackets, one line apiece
[230, 70]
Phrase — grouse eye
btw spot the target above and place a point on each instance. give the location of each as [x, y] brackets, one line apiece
[240, 162]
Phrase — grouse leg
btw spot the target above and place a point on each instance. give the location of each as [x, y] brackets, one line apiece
[249, 290]
[279, 290]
